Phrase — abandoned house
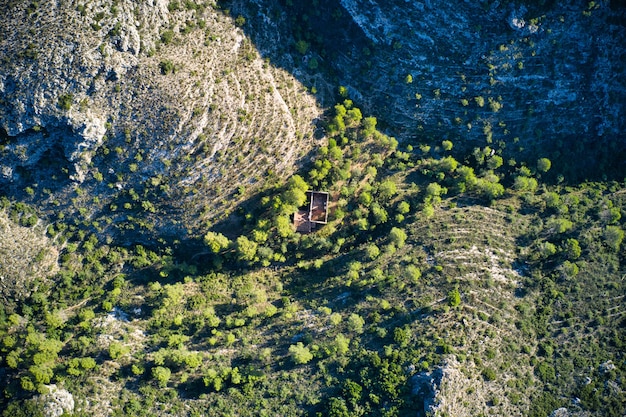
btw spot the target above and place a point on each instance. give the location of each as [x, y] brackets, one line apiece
[315, 213]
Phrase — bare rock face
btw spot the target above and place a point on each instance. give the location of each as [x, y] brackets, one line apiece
[526, 77]
[544, 74]
[57, 402]
[425, 386]
[117, 92]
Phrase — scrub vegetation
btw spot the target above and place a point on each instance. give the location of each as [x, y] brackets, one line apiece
[452, 279]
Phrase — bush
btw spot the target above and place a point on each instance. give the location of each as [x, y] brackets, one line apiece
[454, 298]
[65, 101]
[613, 235]
[166, 67]
[300, 353]
[162, 375]
[489, 374]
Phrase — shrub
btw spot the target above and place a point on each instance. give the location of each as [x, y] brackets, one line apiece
[397, 237]
[300, 353]
[167, 36]
[613, 235]
[544, 164]
[162, 375]
[489, 374]
[166, 67]
[65, 101]
[454, 298]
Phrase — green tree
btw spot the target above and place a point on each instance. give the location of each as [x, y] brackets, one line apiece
[523, 183]
[448, 164]
[246, 249]
[300, 354]
[547, 249]
[403, 207]
[379, 214]
[572, 248]
[454, 298]
[284, 227]
[65, 101]
[397, 237]
[372, 251]
[495, 162]
[342, 344]
[613, 236]
[337, 407]
[387, 189]
[216, 242]
[355, 323]
[162, 375]
[302, 47]
[544, 164]
[354, 116]
[240, 21]
[369, 126]
[42, 373]
[117, 350]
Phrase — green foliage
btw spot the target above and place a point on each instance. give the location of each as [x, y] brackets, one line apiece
[355, 323]
[523, 183]
[302, 47]
[454, 298]
[240, 21]
[372, 251]
[117, 350]
[65, 101]
[246, 249]
[167, 67]
[387, 189]
[544, 165]
[613, 236]
[341, 344]
[397, 237]
[216, 242]
[489, 374]
[162, 375]
[167, 36]
[300, 354]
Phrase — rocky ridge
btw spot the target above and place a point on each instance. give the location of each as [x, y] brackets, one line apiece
[178, 91]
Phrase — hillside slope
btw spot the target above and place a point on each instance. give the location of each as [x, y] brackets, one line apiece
[153, 155]
[528, 77]
[152, 92]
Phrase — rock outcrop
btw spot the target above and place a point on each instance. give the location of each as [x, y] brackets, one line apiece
[117, 92]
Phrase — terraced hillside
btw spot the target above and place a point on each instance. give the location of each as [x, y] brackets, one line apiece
[152, 162]
[143, 96]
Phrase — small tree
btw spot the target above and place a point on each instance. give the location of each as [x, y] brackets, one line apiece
[544, 164]
[613, 235]
[387, 189]
[372, 251]
[342, 344]
[302, 46]
[397, 237]
[217, 242]
[454, 298]
[300, 353]
[246, 249]
[162, 375]
[356, 323]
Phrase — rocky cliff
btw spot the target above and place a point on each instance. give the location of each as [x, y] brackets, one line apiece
[524, 77]
[101, 96]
